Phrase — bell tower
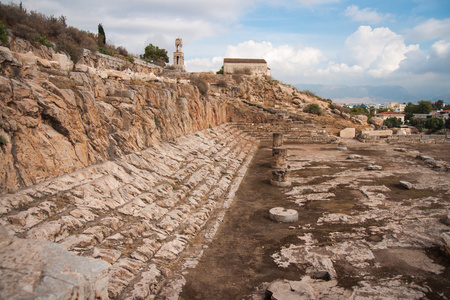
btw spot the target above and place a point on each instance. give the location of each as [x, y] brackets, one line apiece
[178, 55]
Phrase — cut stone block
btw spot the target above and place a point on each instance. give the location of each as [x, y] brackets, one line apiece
[347, 133]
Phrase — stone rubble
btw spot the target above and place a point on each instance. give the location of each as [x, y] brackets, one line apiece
[385, 227]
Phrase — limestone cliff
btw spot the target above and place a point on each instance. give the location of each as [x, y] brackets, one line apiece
[57, 117]
[55, 120]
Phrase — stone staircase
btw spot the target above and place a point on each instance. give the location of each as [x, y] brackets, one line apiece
[293, 132]
[143, 213]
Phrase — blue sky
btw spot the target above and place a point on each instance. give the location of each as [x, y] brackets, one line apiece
[328, 42]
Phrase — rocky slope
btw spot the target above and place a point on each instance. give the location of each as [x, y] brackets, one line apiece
[55, 120]
[56, 117]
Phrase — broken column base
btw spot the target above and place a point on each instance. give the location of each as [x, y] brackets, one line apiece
[280, 214]
[280, 183]
[280, 178]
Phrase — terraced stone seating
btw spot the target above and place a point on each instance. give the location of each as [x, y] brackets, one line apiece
[140, 212]
[298, 133]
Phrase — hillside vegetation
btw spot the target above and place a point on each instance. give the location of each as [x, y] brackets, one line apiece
[52, 32]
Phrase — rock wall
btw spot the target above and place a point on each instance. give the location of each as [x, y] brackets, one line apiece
[54, 120]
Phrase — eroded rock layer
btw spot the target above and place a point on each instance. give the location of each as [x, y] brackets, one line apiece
[140, 212]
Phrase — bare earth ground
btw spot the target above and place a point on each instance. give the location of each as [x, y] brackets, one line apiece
[376, 239]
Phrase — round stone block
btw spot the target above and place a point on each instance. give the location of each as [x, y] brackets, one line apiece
[280, 183]
[280, 214]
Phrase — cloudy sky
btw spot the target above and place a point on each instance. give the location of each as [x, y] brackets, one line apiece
[404, 43]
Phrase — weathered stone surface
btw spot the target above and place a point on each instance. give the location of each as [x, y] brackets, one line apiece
[347, 133]
[40, 269]
[446, 242]
[279, 155]
[277, 139]
[280, 178]
[376, 133]
[377, 121]
[290, 290]
[354, 156]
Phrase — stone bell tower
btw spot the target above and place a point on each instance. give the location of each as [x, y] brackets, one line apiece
[178, 55]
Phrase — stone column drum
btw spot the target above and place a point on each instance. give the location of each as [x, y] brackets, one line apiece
[279, 155]
[277, 139]
[280, 178]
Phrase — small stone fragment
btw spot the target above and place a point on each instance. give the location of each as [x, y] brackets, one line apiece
[322, 275]
[374, 167]
[406, 185]
[354, 156]
[341, 148]
[425, 158]
[445, 237]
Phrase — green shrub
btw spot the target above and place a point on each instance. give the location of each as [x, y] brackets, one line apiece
[2, 140]
[43, 40]
[105, 51]
[392, 122]
[313, 109]
[447, 124]
[434, 124]
[3, 33]
[130, 59]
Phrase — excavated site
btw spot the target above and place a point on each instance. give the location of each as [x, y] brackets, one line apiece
[121, 181]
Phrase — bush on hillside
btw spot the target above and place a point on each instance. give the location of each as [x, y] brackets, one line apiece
[339, 107]
[49, 31]
[313, 109]
[201, 84]
[3, 33]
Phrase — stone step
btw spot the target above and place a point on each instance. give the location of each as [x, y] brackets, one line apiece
[138, 213]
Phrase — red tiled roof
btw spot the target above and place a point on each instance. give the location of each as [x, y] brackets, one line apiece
[389, 113]
[244, 61]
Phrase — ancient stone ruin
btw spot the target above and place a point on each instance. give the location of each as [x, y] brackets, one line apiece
[121, 181]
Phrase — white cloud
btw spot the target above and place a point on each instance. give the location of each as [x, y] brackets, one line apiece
[379, 51]
[204, 64]
[437, 60]
[430, 30]
[366, 15]
[284, 60]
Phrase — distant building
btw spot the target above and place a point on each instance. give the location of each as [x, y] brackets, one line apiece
[178, 55]
[390, 114]
[443, 114]
[421, 116]
[247, 66]
[395, 107]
